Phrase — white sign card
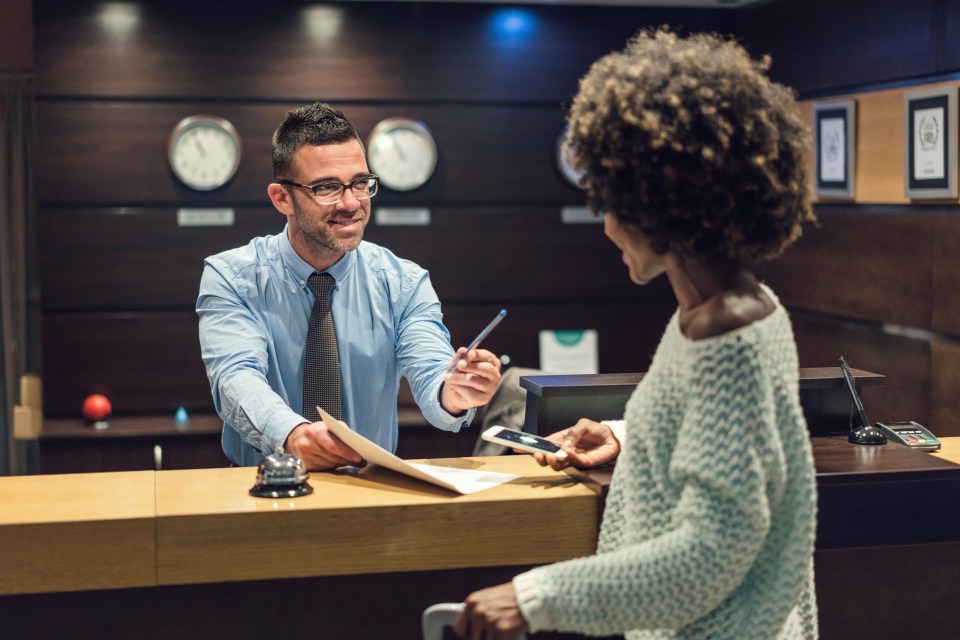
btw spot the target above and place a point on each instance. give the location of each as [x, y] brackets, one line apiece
[569, 352]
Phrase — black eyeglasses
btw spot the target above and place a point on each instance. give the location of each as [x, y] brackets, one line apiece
[332, 192]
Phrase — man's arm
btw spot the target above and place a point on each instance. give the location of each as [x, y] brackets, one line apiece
[233, 343]
[448, 401]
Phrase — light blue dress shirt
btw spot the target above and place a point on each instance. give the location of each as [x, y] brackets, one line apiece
[254, 306]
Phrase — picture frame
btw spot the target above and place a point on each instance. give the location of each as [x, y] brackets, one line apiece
[930, 143]
[835, 148]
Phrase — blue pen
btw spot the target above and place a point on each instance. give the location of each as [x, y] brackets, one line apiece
[476, 341]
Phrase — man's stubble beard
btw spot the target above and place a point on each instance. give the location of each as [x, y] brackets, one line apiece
[313, 231]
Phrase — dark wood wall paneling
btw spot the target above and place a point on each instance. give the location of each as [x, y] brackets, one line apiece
[896, 265]
[119, 277]
[149, 263]
[495, 104]
[123, 323]
[822, 46]
[16, 37]
[376, 51]
[874, 283]
[861, 262]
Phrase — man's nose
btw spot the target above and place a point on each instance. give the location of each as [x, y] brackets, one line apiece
[349, 201]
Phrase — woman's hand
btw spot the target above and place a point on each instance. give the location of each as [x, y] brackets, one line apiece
[491, 614]
[587, 443]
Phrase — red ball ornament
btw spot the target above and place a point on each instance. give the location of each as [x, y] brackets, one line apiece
[96, 407]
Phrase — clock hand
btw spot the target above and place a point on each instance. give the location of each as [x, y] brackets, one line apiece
[399, 149]
[203, 152]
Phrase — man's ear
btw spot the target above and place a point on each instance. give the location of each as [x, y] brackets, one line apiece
[281, 198]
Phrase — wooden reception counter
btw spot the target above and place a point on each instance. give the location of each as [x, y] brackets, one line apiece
[77, 532]
[143, 528]
[191, 554]
[210, 530]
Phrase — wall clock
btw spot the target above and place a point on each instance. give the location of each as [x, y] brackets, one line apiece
[402, 153]
[204, 152]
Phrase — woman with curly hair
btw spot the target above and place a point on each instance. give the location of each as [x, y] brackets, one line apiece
[698, 164]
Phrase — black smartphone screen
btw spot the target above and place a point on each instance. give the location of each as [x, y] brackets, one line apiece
[529, 440]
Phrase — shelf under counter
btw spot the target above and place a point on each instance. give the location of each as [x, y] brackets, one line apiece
[131, 443]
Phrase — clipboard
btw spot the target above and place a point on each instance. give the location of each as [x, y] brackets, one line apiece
[462, 481]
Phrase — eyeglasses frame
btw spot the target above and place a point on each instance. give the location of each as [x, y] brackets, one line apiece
[343, 188]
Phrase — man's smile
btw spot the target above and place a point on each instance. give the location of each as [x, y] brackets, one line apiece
[345, 222]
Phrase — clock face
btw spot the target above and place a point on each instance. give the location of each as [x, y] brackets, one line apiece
[204, 152]
[402, 153]
[567, 170]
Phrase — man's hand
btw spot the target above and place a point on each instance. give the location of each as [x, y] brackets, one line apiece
[319, 449]
[587, 443]
[472, 382]
[491, 613]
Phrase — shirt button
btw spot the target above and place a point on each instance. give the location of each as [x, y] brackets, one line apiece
[303, 282]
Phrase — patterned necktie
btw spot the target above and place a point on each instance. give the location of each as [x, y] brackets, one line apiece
[321, 361]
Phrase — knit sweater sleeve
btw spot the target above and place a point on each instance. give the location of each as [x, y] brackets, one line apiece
[716, 527]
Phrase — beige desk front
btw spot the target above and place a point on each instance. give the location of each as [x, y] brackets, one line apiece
[210, 530]
[151, 555]
[133, 529]
[73, 532]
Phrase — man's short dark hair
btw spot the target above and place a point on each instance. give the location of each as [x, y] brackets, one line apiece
[313, 124]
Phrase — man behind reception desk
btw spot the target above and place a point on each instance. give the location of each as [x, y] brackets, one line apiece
[256, 301]
[698, 163]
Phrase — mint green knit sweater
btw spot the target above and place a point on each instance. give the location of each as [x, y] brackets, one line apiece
[709, 523]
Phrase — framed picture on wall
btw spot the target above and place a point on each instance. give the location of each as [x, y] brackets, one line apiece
[835, 148]
[930, 145]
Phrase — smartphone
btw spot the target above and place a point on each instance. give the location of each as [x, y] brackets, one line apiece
[523, 441]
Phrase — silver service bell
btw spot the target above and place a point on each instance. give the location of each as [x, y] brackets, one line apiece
[281, 475]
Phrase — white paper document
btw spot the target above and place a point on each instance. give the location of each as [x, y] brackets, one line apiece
[462, 481]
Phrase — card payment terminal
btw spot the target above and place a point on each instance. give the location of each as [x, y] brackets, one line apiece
[913, 434]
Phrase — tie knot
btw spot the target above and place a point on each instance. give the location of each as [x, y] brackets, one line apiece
[321, 283]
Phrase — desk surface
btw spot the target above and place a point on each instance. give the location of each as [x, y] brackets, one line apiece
[132, 529]
[949, 450]
[838, 461]
[372, 522]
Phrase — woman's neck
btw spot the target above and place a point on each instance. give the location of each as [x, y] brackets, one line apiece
[716, 297]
